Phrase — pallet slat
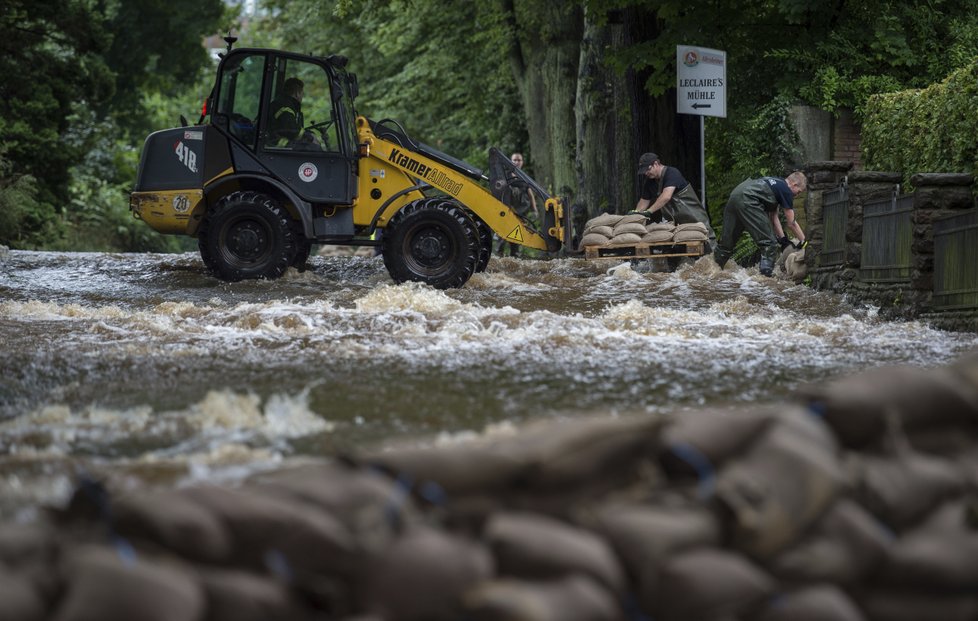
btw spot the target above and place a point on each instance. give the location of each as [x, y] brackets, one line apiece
[645, 250]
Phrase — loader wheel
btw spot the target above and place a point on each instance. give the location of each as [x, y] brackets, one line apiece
[485, 243]
[247, 235]
[303, 247]
[431, 241]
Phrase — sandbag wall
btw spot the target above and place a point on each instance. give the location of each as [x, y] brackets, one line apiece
[630, 229]
[857, 501]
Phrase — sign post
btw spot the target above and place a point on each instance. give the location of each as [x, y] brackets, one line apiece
[701, 89]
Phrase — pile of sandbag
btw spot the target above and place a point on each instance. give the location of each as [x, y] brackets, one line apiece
[609, 229]
[855, 501]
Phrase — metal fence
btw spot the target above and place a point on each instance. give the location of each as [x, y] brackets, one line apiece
[887, 236]
[956, 261]
[835, 216]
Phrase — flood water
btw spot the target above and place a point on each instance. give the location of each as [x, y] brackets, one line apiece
[143, 368]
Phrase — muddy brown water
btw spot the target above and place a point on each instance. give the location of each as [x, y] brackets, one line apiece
[144, 368]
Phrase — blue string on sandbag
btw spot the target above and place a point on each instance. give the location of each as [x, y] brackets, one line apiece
[92, 490]
[395, 502]
[278, 564]
[433, 493]
[700, 463]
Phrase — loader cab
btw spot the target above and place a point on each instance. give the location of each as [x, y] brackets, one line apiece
[291, 116]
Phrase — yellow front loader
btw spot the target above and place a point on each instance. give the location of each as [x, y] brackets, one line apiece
[257, 199]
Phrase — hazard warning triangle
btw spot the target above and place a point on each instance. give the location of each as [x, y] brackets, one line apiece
[516, 234]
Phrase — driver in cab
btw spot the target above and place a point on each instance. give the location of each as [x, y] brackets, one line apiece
[285, 127]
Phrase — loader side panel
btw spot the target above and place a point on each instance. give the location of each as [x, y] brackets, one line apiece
[172, 159]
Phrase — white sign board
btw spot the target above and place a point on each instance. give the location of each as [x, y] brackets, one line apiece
[701, 84]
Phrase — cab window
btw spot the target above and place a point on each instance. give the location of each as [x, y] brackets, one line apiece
[300, 113]
[240, 95]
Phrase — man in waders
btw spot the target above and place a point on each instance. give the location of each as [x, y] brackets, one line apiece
[753, 207]
[665, 188]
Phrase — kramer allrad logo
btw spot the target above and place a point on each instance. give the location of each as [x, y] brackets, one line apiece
[428, 173]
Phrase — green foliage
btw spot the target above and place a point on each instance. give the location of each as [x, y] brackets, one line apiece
[925, 130]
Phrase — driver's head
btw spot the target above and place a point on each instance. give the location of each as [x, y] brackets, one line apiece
[294, 88]
[517, 159]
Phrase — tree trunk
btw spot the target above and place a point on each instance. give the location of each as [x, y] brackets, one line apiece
[605, 140]
[544, 53]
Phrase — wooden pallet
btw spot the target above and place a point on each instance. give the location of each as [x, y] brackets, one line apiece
[645, 250]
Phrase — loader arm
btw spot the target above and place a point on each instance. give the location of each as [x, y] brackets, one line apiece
[399, 169]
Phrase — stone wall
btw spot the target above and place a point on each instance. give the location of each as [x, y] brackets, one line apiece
[847, 139]
[934, 195]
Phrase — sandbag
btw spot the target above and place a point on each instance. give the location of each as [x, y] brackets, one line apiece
[645, 536]
[19, 600]
[304, 538]
[657, 236]
[941, 555]
[795, 267]
[241, 596]
[575, 598]
[605, 219]
[715, 435]
[845, 547]
[908, 605]
[632, 218]
[594, 239]
[901, 490]
[660, 226]
[537, 547]
[626, 238]
[815, 603]
[629, 227]
[710, 585]
[780, 487]
[857, 406]
[689, 236]
[607, 231]
[692, 226]
[104, 587]
[423, 575]
[174, 521]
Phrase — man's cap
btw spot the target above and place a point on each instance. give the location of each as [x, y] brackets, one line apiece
[645, 161]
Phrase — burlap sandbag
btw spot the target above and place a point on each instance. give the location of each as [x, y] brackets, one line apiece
[607, 231]
[588, 454]
[629, 227]
[362, 498]
[241, 596]
[536, 547]
[423, 575]
[657, 236]
[692, 226]
[795, 267]
[302, 537]
[941, 555]
[575, 598]
[780, 487]
[857, 406]
[901, 490]
[594, 239]
[845, 547]
[690, 235]
[632, 218]
[174, 521]
[605, 219]
[626, 238]
[19, 600]
[710, 585]
[660, 226]
[909, 605]
[104, 587]
[645, 536]
[815, 603]
[714, 435]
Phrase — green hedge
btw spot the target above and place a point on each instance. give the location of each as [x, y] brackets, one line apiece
[928, 130]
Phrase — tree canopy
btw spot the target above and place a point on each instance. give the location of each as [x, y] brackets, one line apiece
[580, 86]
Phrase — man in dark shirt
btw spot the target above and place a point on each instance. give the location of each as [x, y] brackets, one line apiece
[665, 188]
[753, 207]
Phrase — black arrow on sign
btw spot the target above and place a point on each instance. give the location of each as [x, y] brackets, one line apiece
[699, 105]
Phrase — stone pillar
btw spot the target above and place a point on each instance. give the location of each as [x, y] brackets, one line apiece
[935, 195]
[865, 187]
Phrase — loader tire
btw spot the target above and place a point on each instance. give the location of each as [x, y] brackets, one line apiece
[433, 241]
[247, 235]
[485, 243]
